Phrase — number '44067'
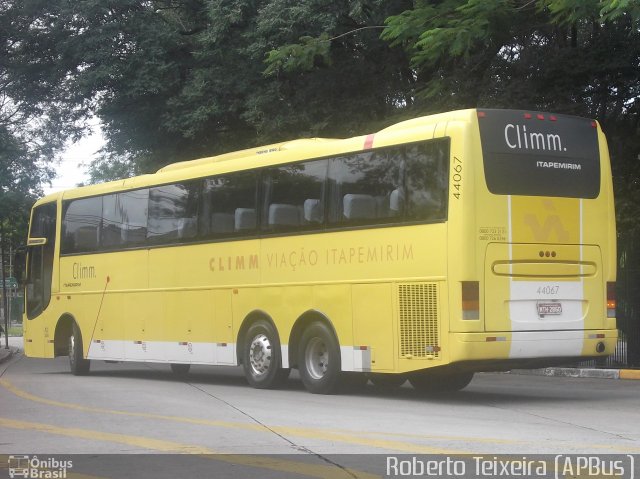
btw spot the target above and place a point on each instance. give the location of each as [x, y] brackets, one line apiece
[548, 289]
[457, 177]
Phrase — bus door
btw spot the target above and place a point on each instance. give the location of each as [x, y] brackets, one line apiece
[40, 260]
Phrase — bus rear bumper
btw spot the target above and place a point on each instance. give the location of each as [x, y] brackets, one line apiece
[557, 346]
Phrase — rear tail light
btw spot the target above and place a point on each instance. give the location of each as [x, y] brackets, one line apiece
[611, 299]
[470, 300]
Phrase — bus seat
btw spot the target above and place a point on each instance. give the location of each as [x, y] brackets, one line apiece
[187, 228]
[313, 211]
[283, 215]
[222, 223]
[245, 219]
[359, 206]
[396, 201]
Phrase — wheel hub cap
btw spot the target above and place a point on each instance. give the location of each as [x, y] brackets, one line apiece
[317, 358]
[260, 355]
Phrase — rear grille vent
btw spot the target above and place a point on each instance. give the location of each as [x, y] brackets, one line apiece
[418, 314]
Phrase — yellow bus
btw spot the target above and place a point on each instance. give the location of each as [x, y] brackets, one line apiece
[473, 240]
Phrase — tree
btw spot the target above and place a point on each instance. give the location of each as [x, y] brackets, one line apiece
[29, 140]
[578, 57]
[178, 80]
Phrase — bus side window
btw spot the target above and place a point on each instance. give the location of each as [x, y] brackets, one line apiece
[111, 236]
[173, 212]
[361, 187]
[294, 196]
[135, 206]
[230, 204]
[427, 181]
[81, 225]
[124, 219]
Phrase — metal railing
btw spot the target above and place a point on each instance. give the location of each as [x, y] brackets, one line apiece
[627, 353]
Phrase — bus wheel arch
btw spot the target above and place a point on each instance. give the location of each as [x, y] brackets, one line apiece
[259, 351]
[64, 330]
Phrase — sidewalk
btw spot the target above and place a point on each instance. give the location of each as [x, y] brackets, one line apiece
[581, 373]
[5, 353]
[15, 345]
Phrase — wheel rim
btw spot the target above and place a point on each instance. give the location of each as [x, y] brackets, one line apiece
[260, 355]
[316, 358]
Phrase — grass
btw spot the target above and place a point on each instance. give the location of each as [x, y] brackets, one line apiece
[15, 330]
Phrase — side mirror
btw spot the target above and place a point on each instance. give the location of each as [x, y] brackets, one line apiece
[36, 242]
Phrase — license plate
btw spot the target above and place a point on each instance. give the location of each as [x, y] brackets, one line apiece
[545, 309]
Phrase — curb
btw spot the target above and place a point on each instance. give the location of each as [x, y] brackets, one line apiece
[629, 374]
[582, 373]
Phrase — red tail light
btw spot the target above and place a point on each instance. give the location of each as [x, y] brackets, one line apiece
[470, 300]
[611, 299]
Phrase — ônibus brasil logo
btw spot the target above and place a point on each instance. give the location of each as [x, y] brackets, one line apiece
[36, 468]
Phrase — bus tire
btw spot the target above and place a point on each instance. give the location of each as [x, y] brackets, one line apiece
[262, 357]
[319, 360]
[429, 381]
[180, 369]
[78, 364]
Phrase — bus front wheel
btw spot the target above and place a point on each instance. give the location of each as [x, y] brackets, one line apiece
[319, 359]
[262, 357]
[78, 364]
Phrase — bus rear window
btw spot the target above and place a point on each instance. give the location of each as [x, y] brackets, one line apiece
[539, 154]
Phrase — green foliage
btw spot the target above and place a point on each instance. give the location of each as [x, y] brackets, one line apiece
[615, 9]
[173, 81]
[453, 28]
[304, 56]
[579, 57]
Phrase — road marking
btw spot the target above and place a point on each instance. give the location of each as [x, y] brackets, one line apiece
[488, 440]
[272, 463]
[136, 441]
[321, 434]
[346, 437]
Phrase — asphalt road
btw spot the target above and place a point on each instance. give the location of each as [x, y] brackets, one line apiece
[136, 408]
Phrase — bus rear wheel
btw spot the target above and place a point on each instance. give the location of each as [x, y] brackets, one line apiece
[78, 364]
[262, 357]
[319, 360]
